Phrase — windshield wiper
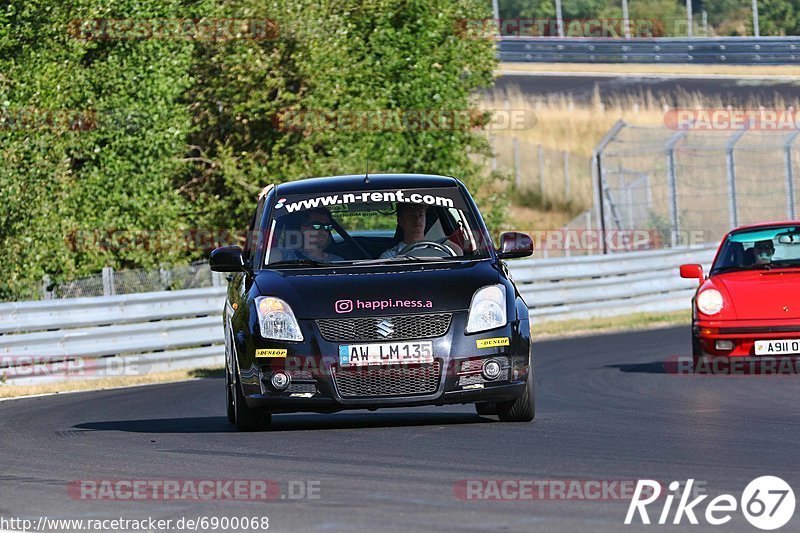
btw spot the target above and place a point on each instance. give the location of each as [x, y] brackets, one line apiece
[396, 258]
[298, 262]
[719, 270]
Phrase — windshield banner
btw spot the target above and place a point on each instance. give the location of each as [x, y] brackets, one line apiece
[346, 201]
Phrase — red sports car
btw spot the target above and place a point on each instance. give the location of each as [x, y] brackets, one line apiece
[749, 305]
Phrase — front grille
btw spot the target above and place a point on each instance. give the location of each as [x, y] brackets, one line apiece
[394, 327]
[388, 381]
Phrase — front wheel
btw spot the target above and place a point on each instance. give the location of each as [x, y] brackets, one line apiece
[246, 418]
[523, 409]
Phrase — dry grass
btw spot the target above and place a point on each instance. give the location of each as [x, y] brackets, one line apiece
[641, 68]
[14, 391]
[594, 326]
[562, 125]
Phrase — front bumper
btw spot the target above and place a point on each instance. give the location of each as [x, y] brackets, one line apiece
[743, 334]
[317, 379]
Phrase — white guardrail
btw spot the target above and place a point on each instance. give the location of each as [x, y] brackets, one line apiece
[135, 334]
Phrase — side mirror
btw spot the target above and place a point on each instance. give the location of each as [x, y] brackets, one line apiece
[514, 244]
[226, 259]
[692, 272]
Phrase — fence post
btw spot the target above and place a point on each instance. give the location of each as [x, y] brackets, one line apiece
[108, 281]
[47, 294]
[165, 276]
[672, 183]
[517, 169]
[787, 161]
[730, 165]
[566, 177]
[540, 151]
[598, 178]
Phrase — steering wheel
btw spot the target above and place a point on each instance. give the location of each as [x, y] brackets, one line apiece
[428, 244]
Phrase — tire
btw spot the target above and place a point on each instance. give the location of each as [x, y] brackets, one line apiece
[701, 362]
[486, 408]
[523, 409]
[245, 418]
[231, 406]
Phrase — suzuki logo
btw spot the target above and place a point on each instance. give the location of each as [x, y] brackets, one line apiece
[385, 328]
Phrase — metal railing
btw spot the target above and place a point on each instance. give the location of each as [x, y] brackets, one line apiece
[134, 334]
[704, 50]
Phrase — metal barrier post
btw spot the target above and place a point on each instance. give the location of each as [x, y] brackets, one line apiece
[598, 179]
[789, 171]
[730, 165]
[672, 183]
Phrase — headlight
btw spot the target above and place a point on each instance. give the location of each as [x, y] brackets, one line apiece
[277, 320]
[488, 309]
[709, 302]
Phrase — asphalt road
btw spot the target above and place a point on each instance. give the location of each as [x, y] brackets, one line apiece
[672, 90]
[606, 411]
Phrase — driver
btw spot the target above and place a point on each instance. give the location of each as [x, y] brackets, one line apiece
[763, 251]
[411, 218]
[315, 230]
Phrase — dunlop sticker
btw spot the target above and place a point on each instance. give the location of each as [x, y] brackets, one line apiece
[271, 352]
[492, 343]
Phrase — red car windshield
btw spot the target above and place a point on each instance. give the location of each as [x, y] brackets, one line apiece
[772, 247]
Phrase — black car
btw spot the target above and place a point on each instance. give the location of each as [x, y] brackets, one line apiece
[363, 292]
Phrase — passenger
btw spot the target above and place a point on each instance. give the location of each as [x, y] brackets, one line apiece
[411, 220]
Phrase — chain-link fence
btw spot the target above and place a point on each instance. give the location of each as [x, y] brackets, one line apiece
[690, 185]
[110, 282]
[555, 177]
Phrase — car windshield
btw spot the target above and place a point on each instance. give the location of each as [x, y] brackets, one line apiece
[760, 248]
[377, 226]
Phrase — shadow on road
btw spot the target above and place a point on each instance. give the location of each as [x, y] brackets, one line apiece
[208, 424]
[289, 422]
[656, 367]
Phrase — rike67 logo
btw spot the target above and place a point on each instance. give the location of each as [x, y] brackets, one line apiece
[767, 503]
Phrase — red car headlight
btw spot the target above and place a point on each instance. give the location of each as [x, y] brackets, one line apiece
[710, 302]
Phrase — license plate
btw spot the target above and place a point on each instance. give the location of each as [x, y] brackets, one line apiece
[383, 354]
[778, 347]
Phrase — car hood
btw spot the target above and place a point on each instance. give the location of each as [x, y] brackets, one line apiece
[762, 294]
[377, 291]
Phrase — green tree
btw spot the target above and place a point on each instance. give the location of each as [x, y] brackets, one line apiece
[779, 17]
[63, 184]
[336, 59]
